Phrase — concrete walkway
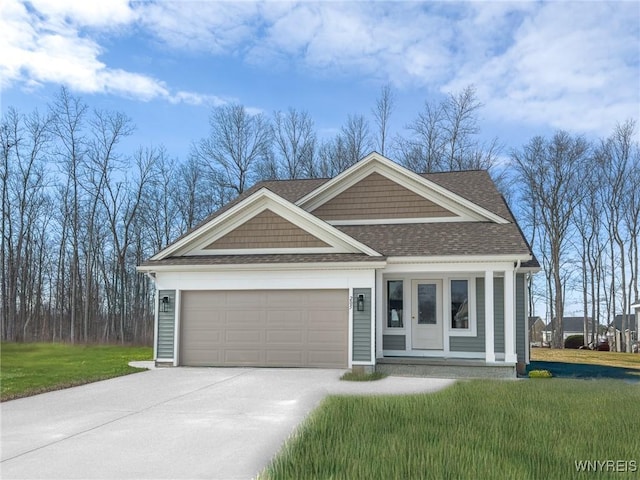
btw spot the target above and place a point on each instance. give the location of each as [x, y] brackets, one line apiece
[174, 423]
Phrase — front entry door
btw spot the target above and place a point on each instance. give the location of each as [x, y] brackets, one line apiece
[426, 315]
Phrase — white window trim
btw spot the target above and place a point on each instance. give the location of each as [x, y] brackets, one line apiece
[385, 302]
[472, 331]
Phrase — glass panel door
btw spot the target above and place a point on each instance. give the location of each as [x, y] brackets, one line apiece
[426, 315]
[427, 304]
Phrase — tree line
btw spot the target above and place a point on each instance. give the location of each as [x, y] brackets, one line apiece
[79, 213]
[581, 207]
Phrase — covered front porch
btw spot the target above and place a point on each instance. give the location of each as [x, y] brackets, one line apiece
[453, 320]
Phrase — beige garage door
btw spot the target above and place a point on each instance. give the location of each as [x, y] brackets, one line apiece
[279, 328]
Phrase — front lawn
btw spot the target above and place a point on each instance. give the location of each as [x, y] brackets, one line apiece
[528, 429]
[32, 368]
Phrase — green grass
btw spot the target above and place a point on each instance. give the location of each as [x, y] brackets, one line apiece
[472, 430]
[31, 368]
[362, 377]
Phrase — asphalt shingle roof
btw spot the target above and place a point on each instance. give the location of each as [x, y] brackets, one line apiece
[440, 239]
[428, 239]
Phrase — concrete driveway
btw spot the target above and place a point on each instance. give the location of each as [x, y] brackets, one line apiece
[214, 423]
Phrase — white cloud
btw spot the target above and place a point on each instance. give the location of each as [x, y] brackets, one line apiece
[567, 65]
[109, 13]
[50, 41]
[209, 26]
[193, 98]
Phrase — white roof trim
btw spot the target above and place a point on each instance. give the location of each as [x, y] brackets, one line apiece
[363, 265]
[459, 259]
[396, 221]
[195, 242]
[374, 162]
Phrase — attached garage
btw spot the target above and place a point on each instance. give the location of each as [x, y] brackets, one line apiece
[272, 328]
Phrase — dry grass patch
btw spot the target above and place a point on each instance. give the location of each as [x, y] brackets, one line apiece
[589, 357]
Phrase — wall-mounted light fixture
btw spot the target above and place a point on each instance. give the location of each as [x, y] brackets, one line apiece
[164, 304]
[360, 302]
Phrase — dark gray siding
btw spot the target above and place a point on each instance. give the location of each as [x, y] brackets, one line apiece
[362, 326]
[166, 325]
[498, 314]
[394, 342]
[521, 317]
[472, 344]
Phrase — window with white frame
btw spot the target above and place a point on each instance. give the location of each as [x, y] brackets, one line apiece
[395, 303]
[461, 311]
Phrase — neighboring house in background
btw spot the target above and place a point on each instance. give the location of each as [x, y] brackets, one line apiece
[378, 267]
[617, 337]
[570, 326]
[536, 328]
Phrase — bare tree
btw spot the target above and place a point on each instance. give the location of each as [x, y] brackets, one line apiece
[24, 208]
[107, 130]
[615, 157]
[294, 141]
[444, 137]
[237, 140]
[68, 115]
[198, 192]
[424, 151]
[460, 126]
[356, 138]
[590, 251]
[552, 171]
[382, 113]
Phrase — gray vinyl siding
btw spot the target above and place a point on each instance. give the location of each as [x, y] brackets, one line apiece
[521, 317]
[472, 344]
[362, 326]
[498, 314]
[394, 342]
[166, 325]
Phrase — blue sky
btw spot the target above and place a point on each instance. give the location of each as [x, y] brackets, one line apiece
[537, 66]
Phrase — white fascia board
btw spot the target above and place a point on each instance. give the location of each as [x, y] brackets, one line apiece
[461, 259]
[449, 264]
[368, 265]
[398, 221]
[375, 162]
[194, 243]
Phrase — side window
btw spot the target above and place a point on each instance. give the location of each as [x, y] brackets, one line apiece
[395, 304]
[460, 304]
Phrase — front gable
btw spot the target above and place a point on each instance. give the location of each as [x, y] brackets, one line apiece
[264, 223]
[267, 230]
[379, 191]
[379, 197]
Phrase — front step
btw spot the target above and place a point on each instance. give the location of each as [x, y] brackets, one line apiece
[444, 368]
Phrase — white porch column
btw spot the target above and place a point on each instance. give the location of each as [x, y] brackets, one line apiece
[509, 318]
[489, 344]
